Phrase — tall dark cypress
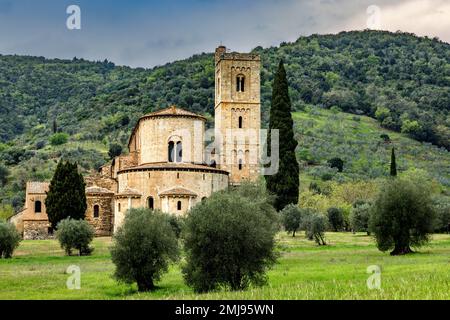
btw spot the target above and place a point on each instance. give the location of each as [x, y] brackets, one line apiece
[393, 164]
[66, 196]
[284, 184]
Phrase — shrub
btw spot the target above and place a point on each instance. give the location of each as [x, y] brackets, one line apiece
[230, 240]
[9, 239]
[359, 217]
[385, 137]
[75, 234]
[315, 225]
[114, 150]
[335, 218]
[337, 163]
[292, 217]
[59, 138]
[40, 145]
[315, 188]
[143, 247]
[402, 216]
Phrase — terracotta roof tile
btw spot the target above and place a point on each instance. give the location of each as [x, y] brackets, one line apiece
[178, 192]
[129, 192]
[96, 189]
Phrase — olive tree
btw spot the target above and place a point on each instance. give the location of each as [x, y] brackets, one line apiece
[292, 218]
[335, 218]
[143, 247]
[230, 240]
[402, 216]
[315, 225]
[9, 239]
[359, 217]
[75, 234]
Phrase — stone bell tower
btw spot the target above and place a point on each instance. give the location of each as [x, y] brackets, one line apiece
[237, 114]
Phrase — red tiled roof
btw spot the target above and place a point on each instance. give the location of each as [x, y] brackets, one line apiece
[178, 192]
[174, 166]
[96, 189]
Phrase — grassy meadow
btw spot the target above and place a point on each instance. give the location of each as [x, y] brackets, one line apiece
[304, 271]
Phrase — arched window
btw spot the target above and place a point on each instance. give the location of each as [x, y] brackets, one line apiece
[179, 205]
[96, 211]
[118, 207]
[240, 122]
[37, 207]
[150, 203]
[171, 151]
[179, 151]
[213, 163]
[240, 83]
[240, 164]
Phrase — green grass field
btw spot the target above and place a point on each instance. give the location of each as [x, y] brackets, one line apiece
[304, 271]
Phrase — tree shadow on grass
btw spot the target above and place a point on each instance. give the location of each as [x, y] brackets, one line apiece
[123, 291]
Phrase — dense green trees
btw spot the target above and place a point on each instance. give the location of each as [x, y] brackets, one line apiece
[97, 103]
[66, 196]
[402, 216]
[143, 248]
[285, 183]
[230, 240]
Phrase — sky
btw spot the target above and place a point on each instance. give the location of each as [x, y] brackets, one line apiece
[146, 33]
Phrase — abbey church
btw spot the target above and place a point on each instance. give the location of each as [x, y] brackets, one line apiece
[168, 166]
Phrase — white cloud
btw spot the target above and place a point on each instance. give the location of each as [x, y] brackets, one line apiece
[423, 17]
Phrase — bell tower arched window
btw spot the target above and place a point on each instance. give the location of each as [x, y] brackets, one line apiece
[171, 150]
[240, 122]
[179, 205]
[240, 83]
[179, 151]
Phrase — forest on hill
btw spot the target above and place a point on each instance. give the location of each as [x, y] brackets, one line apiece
[51, 108]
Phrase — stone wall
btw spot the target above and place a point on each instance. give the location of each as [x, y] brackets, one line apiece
[155, 133]
[151, 183]
[35, 230]
[96, 179]
[103, 224]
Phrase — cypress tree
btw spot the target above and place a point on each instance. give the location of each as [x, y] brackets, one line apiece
[393, 164]
[285, 183]
[66, 196]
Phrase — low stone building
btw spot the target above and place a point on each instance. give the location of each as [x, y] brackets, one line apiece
[167, 167]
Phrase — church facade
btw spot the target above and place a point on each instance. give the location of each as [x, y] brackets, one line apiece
[168, 167]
